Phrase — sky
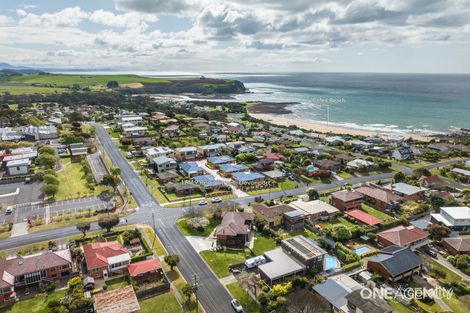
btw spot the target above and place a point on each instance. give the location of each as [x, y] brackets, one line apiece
[420, 36]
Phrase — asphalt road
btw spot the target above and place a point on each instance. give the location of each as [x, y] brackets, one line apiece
[212, 295]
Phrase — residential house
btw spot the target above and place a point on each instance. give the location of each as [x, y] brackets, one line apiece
[456, 218]
[216, 161]
[293, 220]
[379, 198]
[364, 218]
[272, 215]
[131, 119]
[234, 146]
[359, 304]
[166, 177]
[104, 259]
[210, 150]
[409, 192]
[22, 271]
[346, 200]
[208, 182]
[316, 172]
[191, 169]
[44, 132]
[227, 170]
[243, 179]
[186, 153]
[465, 174]
[182, 188]
[120, 300]
[78, 151]
[18, 167]
[172, 130]
[155, 152]
[457, 245]
[328, 165]
[274, 156]
[335, 290]
[134, 131]
[235, 229]
[264, 164]
[395, 263]
[403, 236]
[162, 164]
[315, 210]
[145, 270]
[434, 182]
[403, 154]
[359, 164]
[334, 140]
[275, 174]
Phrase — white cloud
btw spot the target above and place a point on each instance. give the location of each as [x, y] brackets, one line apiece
[68, 17]
[6, 20]
[128, 20]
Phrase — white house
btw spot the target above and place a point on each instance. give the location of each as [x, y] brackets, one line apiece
[456, 218]
[18, 167]
[357, 163]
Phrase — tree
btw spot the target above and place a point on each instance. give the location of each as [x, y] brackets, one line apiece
[187, 290]
[112, 84]
[47, 150]
[115, 171]
[341, 232]
[312, 194]
[437, 232]
[436, 201]
[83, 227]
[399, 177]
[172, 260]
[50, 190]
[47, 161]
[305, 301]
[108, 221]
[110, 180]
[420, 172]
[51, 179]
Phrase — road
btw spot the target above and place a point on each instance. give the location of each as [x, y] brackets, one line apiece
[212, 295]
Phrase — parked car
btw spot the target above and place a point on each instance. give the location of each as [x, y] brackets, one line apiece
[202, 202]
[236, 305]
[254, 262]
[216, 200]
[9, 210]
[432, 252]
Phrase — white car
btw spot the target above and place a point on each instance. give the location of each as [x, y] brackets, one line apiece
[202, 202]
[9, 210]
[236, 306]
[216, 200]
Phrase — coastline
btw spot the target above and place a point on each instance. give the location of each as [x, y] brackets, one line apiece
[324, 129]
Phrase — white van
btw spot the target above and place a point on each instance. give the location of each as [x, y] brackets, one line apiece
[254, 262]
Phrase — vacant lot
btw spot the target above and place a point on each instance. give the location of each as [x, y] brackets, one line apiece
[219, 261]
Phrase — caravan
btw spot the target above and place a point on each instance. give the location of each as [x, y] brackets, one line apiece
[254, 262]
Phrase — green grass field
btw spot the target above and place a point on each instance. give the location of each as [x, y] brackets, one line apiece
[188, 231]
[38, 304]
[249, 305]
[220, 261]
[263, 244]
[164, 303]
[376, 213]
[22, 90]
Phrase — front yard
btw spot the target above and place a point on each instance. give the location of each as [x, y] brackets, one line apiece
[219, 261]
[188, 231]
[249, 305]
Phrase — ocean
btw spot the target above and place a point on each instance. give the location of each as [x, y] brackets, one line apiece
[395, 103]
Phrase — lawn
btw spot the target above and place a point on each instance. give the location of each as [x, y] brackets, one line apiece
[304, 232]
[23, 90]
[400, 307]
[188, 231]
[376, 213]
[158, 246]
[38, 304]
[72, 183]
[166, 303]
[263, 244]
[249, 305]
[341, 220]
[219, 261]
[288, 184]
[117, 283]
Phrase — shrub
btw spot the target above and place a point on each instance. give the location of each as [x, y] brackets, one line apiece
[198, 223]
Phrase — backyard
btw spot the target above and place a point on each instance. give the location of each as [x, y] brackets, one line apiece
[166, 303]
[376, 213]
[263, 244]
[37, 304]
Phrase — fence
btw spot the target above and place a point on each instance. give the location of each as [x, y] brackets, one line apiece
[150, 292]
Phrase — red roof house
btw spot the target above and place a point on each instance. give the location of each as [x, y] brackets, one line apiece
[235, 229]
[274, 156]
[363, 217]
[146, 269]
[106, 258]
[403, 236]
[346, 200]
[379, 198]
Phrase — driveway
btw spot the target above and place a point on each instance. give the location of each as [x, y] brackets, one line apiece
[201, 243]
[237, 192]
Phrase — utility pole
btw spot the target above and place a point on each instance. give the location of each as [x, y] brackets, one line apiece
[154, 231]
[195, 288]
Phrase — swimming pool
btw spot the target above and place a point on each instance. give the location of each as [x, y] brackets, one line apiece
[330, 262]
[362, 250]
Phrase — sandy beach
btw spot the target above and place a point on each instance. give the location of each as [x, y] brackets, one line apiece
[324, 129]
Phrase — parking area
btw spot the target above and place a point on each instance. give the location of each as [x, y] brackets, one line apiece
[20, 192]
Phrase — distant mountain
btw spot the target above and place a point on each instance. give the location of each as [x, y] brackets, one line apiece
[6, 66]
[13, 70]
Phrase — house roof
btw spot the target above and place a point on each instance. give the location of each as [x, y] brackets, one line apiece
[372, 305]
[10, 268]
[379, 194]
[121, 300]
[163, 160]
[406, 189]
[231, 168]
[281, 264]
[347, 195]
[143, 267]
[274, 156]
[364, 217]
[403, 235]
[220, 159]
[207, 180]
[460, 243]
[243, 177]
[233, 224]
[272, 211]
[97, 254]
[335, 289]
[397, 260]
[313, 207]
[432, 180]
[458, 212]
[189, 167]
[274, 174]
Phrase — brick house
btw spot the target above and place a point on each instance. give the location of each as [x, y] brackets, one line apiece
[29, 270]
[235, 229]
[345, 200]
[395, 263]
[457, 245]
[403, 236]
[104, 259]
[145, 270]
[379, 199]
[272, 215]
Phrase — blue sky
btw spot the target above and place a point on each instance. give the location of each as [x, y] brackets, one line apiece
[238, 35]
